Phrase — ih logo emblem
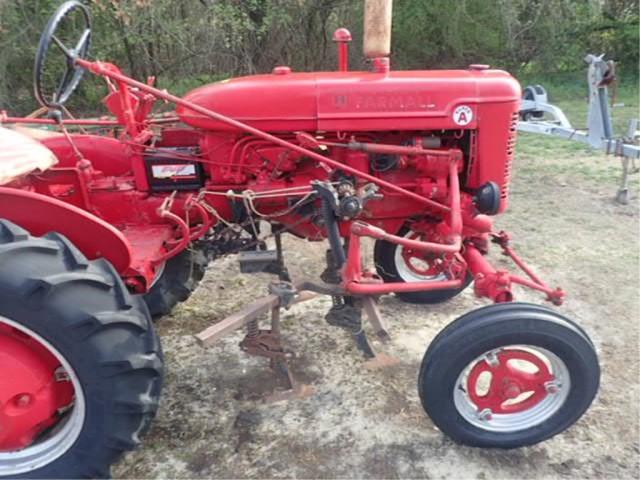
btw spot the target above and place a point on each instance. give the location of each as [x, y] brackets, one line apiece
[462, 115]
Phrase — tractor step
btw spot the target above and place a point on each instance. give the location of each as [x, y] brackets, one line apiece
[257, 261]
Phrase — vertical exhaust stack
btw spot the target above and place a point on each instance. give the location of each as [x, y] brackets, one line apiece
[377, 33]
[342, 37]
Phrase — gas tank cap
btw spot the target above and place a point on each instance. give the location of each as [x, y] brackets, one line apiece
[478, 66]
[281, 70]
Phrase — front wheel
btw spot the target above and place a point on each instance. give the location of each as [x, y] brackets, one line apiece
[508, 375]
[395, 263]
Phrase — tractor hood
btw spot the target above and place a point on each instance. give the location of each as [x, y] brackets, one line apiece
[353, 101]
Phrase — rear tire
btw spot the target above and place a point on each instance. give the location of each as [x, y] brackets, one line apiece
[178, 279]
[83, 312]
[545, 402]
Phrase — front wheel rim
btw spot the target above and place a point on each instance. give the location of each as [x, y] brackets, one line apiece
[510, 402]
[410, 271]
[59, 438]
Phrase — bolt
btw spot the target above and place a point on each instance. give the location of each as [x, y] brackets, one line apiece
[61, 375]
[552, 386]
[485, 415]
[23, 400]
[492, 359]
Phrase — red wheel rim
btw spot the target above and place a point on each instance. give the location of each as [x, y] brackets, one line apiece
[511, 388]
[421, 263]
[34, 389]
[418, 266]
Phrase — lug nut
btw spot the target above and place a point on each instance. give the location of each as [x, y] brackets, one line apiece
[492, 359]
[485, 415]
[23, 400]
[61, 375]
[552, 387]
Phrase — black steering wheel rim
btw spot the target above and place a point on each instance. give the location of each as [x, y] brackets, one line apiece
[73, 73]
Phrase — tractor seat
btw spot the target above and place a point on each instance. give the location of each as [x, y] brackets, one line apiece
[20, 155]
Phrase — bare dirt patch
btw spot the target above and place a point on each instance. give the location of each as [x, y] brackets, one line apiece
[362, 424]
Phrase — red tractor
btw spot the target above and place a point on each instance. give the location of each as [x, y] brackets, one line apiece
[108, 222]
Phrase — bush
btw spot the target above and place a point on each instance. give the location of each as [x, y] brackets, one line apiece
[185, 44]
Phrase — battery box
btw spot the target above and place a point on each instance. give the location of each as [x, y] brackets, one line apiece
[168, 173]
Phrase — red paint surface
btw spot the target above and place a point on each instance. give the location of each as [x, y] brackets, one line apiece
[42, 214]
[30, 396]
[508, 382]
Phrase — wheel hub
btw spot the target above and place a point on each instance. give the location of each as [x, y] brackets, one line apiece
[511, 391]
[33, 389]
[421, 266]
[518, 382]
[421, 263]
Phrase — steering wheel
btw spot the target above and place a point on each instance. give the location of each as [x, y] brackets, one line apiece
[55, 81]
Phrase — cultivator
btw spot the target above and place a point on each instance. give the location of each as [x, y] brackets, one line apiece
[137, 204]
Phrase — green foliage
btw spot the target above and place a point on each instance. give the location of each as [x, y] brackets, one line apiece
[187, 43]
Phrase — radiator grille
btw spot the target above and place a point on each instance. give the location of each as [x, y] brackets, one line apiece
[473, 153]
[511, 145]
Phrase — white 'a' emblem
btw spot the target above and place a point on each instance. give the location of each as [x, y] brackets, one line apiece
[462, 115]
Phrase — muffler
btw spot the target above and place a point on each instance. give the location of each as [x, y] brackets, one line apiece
[377, 29]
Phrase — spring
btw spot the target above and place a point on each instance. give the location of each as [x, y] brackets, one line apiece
[253, 329]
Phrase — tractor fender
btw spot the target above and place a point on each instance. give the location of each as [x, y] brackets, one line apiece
[40, 214]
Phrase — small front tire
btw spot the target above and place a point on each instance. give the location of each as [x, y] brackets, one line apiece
[508, 375]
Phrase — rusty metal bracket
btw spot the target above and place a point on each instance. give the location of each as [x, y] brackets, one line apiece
[370, 307]
[265, 344]
[285, 291]
[268, 343]
[248, 314]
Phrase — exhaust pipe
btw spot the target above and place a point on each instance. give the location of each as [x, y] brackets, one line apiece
[377, 32]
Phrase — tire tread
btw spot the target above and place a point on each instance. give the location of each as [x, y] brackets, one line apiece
[132, 369]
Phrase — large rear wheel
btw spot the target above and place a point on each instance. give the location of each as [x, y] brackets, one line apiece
[176, 280]
[80, 364]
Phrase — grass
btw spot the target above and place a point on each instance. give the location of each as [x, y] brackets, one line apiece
[557, 157]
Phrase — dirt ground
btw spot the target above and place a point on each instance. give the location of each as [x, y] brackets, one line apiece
[213, 421]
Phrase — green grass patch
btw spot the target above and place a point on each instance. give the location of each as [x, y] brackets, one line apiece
[567, 160]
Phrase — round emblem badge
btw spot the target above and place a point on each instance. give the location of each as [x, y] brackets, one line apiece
[462, 115]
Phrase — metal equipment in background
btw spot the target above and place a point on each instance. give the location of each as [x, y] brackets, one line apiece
[536, 110]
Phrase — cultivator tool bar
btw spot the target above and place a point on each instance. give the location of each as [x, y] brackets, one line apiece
[268, 343]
